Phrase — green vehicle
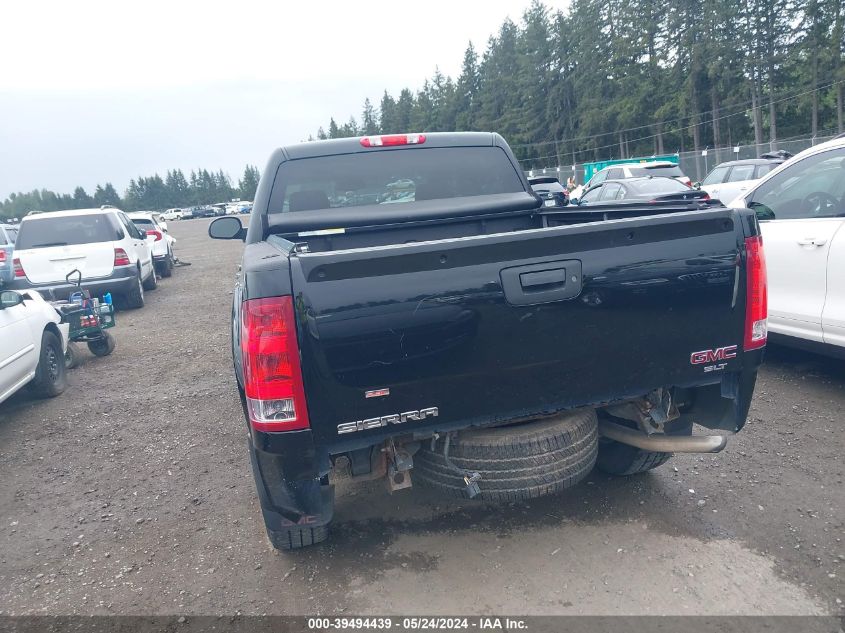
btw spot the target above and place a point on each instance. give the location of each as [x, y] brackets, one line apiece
[590, 169]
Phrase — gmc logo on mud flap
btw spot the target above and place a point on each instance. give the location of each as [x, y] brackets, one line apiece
[711, 357]
[395, 418]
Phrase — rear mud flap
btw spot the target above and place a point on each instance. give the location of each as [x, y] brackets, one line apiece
[288, 503]
[723, 405]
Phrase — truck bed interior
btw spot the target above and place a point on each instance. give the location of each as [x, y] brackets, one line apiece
[315, 237]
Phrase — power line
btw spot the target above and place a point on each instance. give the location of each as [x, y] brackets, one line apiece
[706, 121]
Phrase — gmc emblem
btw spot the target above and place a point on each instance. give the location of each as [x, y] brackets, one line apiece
[713, 355]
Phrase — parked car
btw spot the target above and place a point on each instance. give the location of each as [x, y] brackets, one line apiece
[32, 345]
[641, 189]
[201, 212]
[172, 214]
[8, 235]
[801, 208]
[632, 170]
[728, 180]
[550, 190]
[159, 218]
[471, 338]
[160, 241]
[104, 244]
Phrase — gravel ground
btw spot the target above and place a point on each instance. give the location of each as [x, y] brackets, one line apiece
[131, 494]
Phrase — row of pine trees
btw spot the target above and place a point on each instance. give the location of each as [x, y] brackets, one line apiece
[145, 193]
[617, 78]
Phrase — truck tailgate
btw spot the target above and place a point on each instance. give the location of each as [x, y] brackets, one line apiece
[506, 326]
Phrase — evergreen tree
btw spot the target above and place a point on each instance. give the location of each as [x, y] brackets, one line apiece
[81, 200]
[249, 183]
[369, 123]
[388, 123]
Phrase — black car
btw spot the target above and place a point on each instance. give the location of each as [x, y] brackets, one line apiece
[550, 191]
[644, 189]
[203, 212]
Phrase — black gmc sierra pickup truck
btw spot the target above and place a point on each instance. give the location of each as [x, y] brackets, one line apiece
[407, 309]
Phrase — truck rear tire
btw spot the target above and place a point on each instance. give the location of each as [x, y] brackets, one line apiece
[297, 537]
[516, 462]
[616, 458]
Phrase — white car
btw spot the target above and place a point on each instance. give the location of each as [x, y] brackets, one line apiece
[728, 180]
[103, 244]
[172, 214]
[32, 345]
[632, 170]
[801, 208]
[160, 241]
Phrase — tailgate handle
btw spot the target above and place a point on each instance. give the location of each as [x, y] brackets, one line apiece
[542, 279]
[542, 283]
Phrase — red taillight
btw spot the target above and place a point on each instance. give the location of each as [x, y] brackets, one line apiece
[706, 196]
[272, 374]
[156, 234]
[19, 271]
[2, 256]
[121, 258]
[756, 294]
[386, 140]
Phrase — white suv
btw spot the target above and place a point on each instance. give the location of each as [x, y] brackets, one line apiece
[103, 244]
[801, 209]
[159, 240]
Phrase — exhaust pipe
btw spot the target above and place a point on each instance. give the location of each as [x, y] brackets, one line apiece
[663, 443]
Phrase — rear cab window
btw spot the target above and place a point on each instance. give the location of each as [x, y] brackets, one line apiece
[762, 170]
[391, 177]
[144, 224]
[69, 230]
[659, 185]
[741, 172]
[716, 176]
[670, 171]
[545, 187]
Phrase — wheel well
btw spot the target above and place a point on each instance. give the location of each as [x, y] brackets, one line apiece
[53, 329]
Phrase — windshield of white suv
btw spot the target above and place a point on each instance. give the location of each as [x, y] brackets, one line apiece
[44, 232]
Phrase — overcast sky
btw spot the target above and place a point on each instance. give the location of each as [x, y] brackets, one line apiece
[105, 91]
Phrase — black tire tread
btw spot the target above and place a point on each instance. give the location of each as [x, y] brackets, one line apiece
[151, 282]
[134, 299]
[167, 267]
[99, 349]
[619, 459]
[41, 386]
[518, 462]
